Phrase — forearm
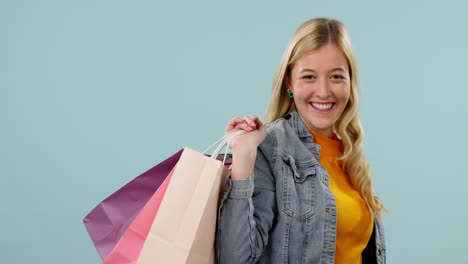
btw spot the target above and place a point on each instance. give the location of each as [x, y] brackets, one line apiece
[243, 163]
[235, 230]
[247, 210]
[236, 224]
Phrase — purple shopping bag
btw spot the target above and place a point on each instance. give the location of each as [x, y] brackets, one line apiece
[107, 222]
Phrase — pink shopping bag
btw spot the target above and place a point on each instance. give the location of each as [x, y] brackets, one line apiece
[128, 248]
[108, 221]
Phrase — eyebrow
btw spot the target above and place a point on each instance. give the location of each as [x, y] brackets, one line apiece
[332, 70]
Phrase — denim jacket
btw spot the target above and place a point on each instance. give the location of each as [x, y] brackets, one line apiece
[286, 212]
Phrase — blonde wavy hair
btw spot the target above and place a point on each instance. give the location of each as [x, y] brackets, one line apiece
[312, 35]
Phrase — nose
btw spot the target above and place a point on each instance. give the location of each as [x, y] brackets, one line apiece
[323, 89]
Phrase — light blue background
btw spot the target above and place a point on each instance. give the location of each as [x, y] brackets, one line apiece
[93, 93]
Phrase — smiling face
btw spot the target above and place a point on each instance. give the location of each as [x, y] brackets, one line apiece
[320, 82]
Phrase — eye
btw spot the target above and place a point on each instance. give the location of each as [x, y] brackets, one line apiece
[307, 77]
[337, 76]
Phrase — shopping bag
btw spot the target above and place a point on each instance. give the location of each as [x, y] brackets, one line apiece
[183, 230]
[127, 250]
[107, 222]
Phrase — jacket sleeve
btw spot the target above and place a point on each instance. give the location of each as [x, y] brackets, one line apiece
[247, 212]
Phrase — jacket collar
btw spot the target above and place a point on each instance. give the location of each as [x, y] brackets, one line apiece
[299, 126]
[296, 122]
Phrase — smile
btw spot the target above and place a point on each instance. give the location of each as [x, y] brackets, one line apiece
[322, 108]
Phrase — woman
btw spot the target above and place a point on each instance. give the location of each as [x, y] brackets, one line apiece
[300, 189]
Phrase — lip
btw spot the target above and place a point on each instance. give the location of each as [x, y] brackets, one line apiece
[321, 111]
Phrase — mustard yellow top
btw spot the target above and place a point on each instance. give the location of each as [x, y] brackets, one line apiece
[354, 220]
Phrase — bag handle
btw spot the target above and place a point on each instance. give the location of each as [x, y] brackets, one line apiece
[224, 141]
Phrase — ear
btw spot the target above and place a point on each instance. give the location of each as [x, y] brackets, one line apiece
[287, 82]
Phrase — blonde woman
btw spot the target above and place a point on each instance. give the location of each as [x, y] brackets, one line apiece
[300, 189]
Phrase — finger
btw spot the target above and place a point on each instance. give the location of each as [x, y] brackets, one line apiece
[236, 120]
[229, 128]
[250, 122]
[245, 126]
[256, 120]
[233, 122]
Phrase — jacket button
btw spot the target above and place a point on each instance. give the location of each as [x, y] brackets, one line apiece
[324, 180]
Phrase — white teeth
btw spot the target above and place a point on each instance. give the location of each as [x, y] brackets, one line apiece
[323, 107]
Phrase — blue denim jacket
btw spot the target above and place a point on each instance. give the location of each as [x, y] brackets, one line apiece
[286, 212]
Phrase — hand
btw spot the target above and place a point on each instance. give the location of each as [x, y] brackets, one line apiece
[255, 135]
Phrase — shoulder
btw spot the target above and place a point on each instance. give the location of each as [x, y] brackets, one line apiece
[280, 132]
[279, 125]
[274, 131]
[277, 133]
